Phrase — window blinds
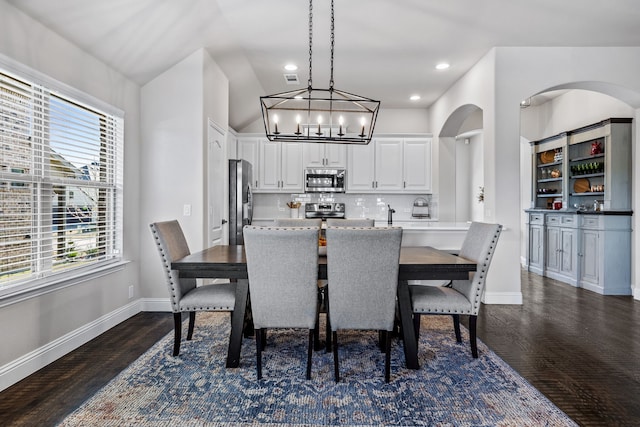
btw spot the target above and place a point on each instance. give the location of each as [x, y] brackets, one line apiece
[60, 183]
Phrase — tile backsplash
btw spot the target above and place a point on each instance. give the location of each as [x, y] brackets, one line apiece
[274, 205]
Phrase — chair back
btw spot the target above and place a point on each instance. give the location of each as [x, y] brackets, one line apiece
[282, 263]
[479, 245]
[298, 222]
[360, 222]
[172, 245]
[362, 271]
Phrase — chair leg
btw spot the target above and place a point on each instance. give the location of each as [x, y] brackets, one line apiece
[472, 336]
[263, 338]
[192, 323]
[177, 328]
[387, 357]
[456, 326]
[383, 336]
[336, 368]
[416, 324]
[259, 345]
[310, 351]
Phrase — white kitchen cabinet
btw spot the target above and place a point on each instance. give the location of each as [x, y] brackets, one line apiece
[248, 150]
[324, 155]
[417, 165]
[390, 165]
[280, 167]
[361, 168]
[388, 161]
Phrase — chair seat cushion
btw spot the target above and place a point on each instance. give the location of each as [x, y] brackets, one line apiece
[216, 297]
[430, 299]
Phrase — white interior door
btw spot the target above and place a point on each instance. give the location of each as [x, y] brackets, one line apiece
[217, 182]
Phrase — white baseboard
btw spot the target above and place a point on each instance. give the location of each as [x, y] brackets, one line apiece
[502, 298]
[156, 304]
[26, 365]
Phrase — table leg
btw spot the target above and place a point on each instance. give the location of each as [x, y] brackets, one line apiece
[237, 323]
[408, 334]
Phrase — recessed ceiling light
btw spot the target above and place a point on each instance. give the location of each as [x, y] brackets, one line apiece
[291, 67]
[414, 97]
[442, 66]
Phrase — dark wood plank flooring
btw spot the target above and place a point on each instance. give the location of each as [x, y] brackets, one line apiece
[580, 349]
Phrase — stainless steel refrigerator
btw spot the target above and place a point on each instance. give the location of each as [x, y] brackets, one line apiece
[240, 199]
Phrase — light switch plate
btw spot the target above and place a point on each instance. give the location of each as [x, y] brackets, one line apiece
[186, 210]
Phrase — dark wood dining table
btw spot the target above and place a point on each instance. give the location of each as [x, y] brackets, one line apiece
[416, 263]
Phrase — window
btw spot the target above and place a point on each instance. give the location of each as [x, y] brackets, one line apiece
[60, 183]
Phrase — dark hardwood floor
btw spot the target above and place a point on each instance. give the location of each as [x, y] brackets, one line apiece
[580, 349]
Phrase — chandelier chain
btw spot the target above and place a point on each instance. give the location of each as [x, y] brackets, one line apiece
[332, 45]
[310, 41]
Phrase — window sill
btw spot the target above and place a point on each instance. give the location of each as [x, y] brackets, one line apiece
[25, 291]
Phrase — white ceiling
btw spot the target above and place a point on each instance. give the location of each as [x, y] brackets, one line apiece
[384, 49]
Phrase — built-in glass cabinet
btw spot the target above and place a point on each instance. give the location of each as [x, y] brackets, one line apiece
[587, 168]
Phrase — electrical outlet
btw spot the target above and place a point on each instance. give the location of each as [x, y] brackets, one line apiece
[130, 291]
[186, 210]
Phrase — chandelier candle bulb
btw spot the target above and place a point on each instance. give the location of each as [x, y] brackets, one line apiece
[275, 121]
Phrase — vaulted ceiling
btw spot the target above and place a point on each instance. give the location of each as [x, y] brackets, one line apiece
[384, 49]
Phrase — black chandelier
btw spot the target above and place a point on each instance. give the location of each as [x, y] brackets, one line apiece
[319, 115]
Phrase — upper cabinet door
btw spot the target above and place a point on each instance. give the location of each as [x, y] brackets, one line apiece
[389, 159]
[313, 155]
[292, 175]
[417, 165]
[361, 168]
[335, 155]
[270, 164]
[248, 150]
[317, 155]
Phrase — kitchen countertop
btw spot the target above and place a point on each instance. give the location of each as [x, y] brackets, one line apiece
[587, 212]
[419, 225]
[427, 225]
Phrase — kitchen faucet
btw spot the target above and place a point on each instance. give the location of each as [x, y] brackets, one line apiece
[390, 213]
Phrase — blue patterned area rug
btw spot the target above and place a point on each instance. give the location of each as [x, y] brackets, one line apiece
[195, 389]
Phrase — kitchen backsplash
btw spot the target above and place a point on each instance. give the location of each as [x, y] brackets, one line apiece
[272, 205]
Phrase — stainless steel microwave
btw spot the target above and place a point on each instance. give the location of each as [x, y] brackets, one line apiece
[324, 180]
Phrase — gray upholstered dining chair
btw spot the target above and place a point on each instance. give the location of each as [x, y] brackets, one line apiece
[461, 296]
[282, 263]
[298, 222]
[184, 295]
[356, 222]
[362, 271]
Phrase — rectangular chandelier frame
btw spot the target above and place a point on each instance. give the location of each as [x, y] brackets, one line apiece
[319, 115]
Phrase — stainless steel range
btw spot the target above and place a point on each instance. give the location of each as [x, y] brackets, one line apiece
[324, 210]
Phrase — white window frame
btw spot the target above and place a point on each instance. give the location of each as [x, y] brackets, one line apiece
[42, 277]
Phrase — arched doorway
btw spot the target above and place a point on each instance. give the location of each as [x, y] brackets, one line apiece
[462, 166]
[566, 107]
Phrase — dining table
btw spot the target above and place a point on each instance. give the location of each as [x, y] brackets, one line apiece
[416, 263]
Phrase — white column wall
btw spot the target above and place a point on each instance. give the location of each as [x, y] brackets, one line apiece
[175, 107]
